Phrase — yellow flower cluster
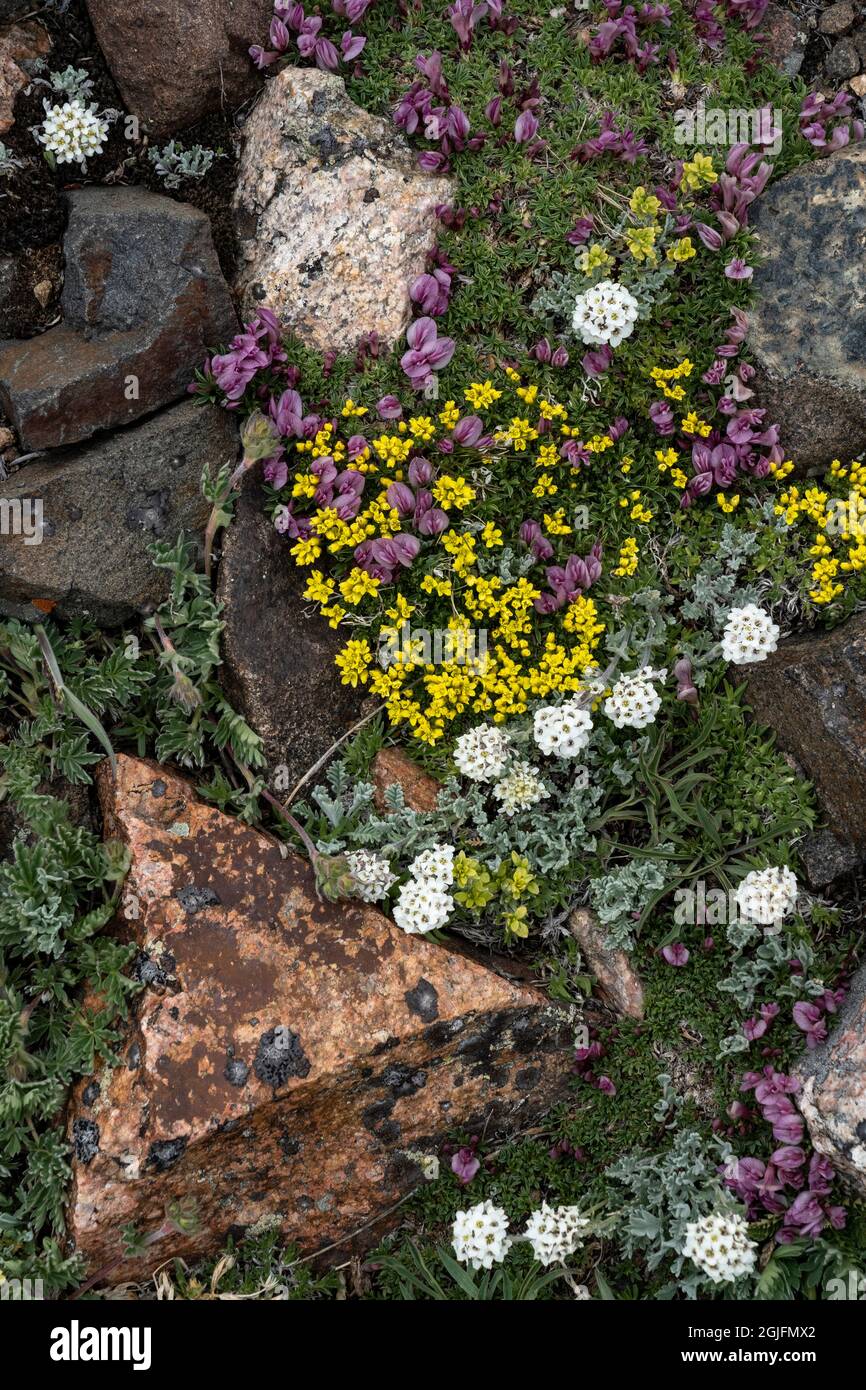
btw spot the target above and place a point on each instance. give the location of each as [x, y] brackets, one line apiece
[837, 512]
[663, 376]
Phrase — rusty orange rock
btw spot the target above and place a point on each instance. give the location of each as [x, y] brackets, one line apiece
[288, 1059]
[392, 766]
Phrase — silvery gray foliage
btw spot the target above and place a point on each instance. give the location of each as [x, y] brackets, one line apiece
[173, 163]
[625, 891]
[664, 1192]
[8, 162]
[765, 971]
[75, 84]
[715, 588]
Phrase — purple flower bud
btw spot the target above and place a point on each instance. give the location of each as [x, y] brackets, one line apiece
[559, 357]
[389, 408]
[685, 686]
[421, 471]
[542, 351]
[468, 430]
[709, 236]
[677, 954]
[401, 498]
[525, 127]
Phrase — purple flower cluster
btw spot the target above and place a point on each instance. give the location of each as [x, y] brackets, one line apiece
[427, 106]
[764, 1187]
[291, 18]
[707, 27]
[623, 145]
[465, 16]
[431, 292]
[259, 346]
[620, 29]
[583, 1059]
[809, 1017]
[567, 582]
[749, 12]
[554, 357]
[818, 122]
[427, 352]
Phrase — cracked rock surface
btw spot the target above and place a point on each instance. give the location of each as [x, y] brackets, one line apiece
[287, 1056]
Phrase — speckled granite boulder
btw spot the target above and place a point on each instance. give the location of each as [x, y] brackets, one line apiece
[334, 217]
[808, 323]
[288, 1056]
[833, 1090]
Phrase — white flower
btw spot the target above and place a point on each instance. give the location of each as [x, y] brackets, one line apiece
[562, 729]
[480, 1236]
[750, 635]
[555, 1233]
[435, 866]
[72, 132]
[372, 875]
[634, 701]
[719, 1245]
[605, 314]
[482, 753]
[767, 896]
[422, 907]
[519, 789]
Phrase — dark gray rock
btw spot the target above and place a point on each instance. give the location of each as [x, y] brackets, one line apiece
[827, 858]
[102, 505]
[143, 301]
[843, 61]
[808, 323]
[278, 663]
[812, 692]
[175, 62]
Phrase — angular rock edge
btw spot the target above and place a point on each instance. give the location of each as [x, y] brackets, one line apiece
[288, 1057]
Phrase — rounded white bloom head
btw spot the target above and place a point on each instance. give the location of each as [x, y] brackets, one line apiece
[634, 701]
[72, 132]
[767, 896]
[750, 635]
[435, 866]
[480, 1236]
[422, 907]
[562, 730]
[719, 1245]
[605, 314]
[519, 789]
[372, 875]
[482, 753]
[555, 1233]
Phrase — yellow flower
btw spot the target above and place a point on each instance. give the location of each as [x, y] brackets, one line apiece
[627, 558]
[594, 258]
[644, 204]
[305, 552]
[357, 585]
[491, 535]
[453, 492]
[422, 428]
[641, 242]
[354, 662]
[698, 172]
[545, 487]
[449, 415]
[728, 504]
[318, 587]
[682, 250]
[481, 394]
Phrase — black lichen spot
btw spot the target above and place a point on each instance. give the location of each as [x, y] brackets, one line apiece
[236, 1072]
[387, 1046]
[85, 1137]
[861, 1131]
[165, 1152]
[371, 195]
[311, 270]
[403, 1081]
[325, 142]
[133, 1057]
[90, 1094]
[158, 788]
[280, 1056]
[289, 1147]
[192, 898]
[376, 1119]
[528, 1079]
[154, 975]
[423, 1001]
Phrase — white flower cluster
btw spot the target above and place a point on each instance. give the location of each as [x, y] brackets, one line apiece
[482, 753]
[73, 132]
[562, 729]
[520, 788]
[555, 1233]
[634, 701]
[424, 903]
[372, 875]
[480, 1236]
[481, 1239]
[767, 895]
[605, 314]
[719, 1245]
[750, 635]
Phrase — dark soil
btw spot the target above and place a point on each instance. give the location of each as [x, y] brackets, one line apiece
[32, 205]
